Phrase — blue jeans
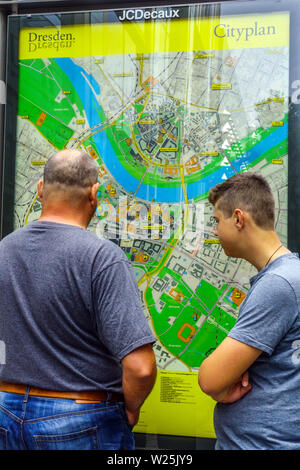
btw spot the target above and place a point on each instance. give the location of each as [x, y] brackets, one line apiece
[38, 423]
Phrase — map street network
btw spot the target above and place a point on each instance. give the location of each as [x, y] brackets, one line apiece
[163, 128]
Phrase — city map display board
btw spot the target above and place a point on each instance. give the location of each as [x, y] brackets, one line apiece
[168, 104]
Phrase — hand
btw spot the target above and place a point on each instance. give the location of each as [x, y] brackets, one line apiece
[133, 416]
[237, 391]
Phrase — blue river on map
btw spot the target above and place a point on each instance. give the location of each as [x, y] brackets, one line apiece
[79, 78]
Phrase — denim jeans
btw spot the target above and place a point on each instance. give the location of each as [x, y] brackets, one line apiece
[38, 423]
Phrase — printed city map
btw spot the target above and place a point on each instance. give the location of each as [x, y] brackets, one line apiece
[163, 128]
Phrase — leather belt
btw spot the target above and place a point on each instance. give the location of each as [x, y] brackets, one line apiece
[93, 396]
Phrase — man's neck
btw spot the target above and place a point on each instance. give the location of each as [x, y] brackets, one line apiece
[263, 250]
[63, 218]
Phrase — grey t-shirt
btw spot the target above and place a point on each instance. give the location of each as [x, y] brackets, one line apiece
[268, 417]
[70, 309]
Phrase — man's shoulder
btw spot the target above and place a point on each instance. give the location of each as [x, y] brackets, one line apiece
[287, 267]
[74, 236]
[90, 241]
[280, 281]
[10, 237]
[105, 245]
[105, 250]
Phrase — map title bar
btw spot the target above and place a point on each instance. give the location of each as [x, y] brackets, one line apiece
[232, 32]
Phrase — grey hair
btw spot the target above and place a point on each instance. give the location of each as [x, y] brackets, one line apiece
[71, 168]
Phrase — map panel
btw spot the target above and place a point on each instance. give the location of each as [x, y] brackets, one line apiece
[164, 127]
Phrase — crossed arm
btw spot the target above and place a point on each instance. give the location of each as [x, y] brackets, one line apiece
[224, 374]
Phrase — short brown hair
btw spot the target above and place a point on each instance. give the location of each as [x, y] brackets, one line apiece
[249, 192]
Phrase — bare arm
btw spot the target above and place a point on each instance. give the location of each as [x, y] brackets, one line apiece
[139, 374]
[224, 374]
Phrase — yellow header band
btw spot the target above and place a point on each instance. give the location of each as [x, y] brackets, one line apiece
[228, 32]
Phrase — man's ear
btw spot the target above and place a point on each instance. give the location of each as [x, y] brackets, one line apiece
[40, 188]
[239, 218]
[93, 192]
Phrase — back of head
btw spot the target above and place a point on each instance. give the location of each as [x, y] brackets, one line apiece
[71, 168]
[69, 172]
[249, 192]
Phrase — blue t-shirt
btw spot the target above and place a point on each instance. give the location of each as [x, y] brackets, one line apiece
[70, 309]
[268, 417]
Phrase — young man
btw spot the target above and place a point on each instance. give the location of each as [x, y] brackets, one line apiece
[254, 374]
[79, 358]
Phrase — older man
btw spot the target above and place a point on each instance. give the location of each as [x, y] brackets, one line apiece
[79, 359]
